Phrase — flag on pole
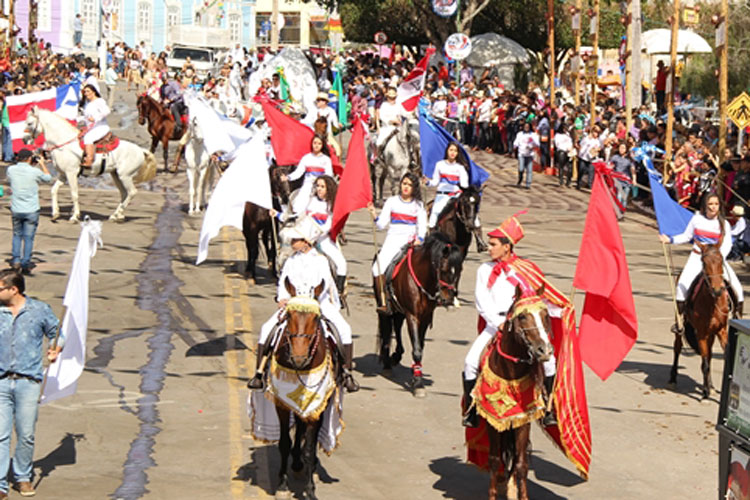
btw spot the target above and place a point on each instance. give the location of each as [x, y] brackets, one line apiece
[609, 326]
[62, 377]
[219, 133]
[63, 100]
[286, 95]
[355, 189]
[337, 90]
[411, 88]
[433, 139]
[246, 180]
[672, 217]
[291, 139]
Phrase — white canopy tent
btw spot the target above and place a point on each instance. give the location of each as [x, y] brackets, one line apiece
[502, 53]
[658, 41]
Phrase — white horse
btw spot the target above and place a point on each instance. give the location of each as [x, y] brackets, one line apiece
[128, 164]
[400, 155]
[200, 171]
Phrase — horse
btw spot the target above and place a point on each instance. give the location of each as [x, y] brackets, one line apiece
[256, 221]
[128, 164]
[707, 311]
[201, 167]
[517, 355]
[458, 217]
[301, 349]
[161, 126]
[427, 278]
[399, 155]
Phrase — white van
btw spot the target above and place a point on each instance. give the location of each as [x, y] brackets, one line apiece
[203, 60]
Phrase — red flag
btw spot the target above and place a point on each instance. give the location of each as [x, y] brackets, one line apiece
[291, 139]
[609, 326]
[393, 54]
[355, 188]
[410, 89]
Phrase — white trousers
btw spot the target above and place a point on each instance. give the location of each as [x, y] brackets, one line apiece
[474, 356]
[391, 247]
[694, 267]
[299, 205]
[329, 311]
[97, 132]
[441, 200]
[332, 250]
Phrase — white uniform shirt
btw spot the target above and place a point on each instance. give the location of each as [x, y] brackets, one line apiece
[493, 303]
[306, 271]
[706, 231]
[449, 177]
[390, 112]
[312, 166]
[320, 213]
[403, 219]
[98, 110]
[329, 114]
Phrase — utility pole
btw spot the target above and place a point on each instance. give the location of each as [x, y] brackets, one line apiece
[628, 21]
[551, 46]
[723, 29]
[594, 30]
[671, 87]
[576, 69]
[32, 42]
[634, 35]
[275, 26]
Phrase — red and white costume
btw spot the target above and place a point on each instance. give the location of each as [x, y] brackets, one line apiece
[449, 177]
[706, 231]
[311, 166]
[406, 222]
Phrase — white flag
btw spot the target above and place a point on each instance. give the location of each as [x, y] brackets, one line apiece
[246, 180]
[219, 133]
[63, 374]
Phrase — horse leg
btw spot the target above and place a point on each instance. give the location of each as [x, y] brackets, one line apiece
[154, 144]
[309, 458]
[495, 463]
[54, 192]
[270, 247]
[673, 373]
[191, 191]
[201, 188]
[285, 444]
[300, 428]
[704, 347]
[412, 324]
[385, 329]
[73, 183]
[522, 460]
[127, 191]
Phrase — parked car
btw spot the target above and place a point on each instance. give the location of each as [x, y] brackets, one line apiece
[203, 59]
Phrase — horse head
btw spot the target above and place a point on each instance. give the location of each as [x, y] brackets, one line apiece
[142, 104]
[468, 206]
[713, 267]
[279, 183]
[321, 126]
[32, 126]
[302, 326]
[528, 320]
[447, 261]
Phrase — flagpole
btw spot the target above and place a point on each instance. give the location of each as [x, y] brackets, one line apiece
[668, 260]
[52, 346]
[377, 255]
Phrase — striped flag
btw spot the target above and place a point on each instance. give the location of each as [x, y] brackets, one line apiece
[62, 99]
[411, 88]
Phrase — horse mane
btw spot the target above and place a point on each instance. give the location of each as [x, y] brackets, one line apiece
[59, 120]
[435, 243]
[303, 304]
[163, 110]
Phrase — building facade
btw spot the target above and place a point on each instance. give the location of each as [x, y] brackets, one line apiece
[159, 23]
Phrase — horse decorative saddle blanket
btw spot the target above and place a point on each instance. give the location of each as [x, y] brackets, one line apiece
[106, 144]
[507, 404]
[306, 393]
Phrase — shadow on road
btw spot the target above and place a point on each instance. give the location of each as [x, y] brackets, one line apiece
[64, 454]
[657, 376]
[217, 347]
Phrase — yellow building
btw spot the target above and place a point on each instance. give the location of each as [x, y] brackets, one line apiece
[303, 24]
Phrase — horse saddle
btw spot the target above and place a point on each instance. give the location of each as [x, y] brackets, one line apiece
[106, 144]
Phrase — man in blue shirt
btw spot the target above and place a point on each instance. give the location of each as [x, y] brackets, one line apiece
[24, 322]
[24, 206]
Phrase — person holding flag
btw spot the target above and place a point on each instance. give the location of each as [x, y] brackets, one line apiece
[314, 164]
[450, 176]
[708, 227]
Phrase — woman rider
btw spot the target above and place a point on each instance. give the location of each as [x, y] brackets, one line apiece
[450, 176]
[311, 166]
[405, 217]
[706, 227]
[95, 113]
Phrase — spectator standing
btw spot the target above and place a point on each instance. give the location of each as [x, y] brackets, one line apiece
[77, 30]
[526, 142]
[660, 87]
[110, 79]
[563, 147]
[24, 322]
[24, 207]
[622, 164]
[7, 140]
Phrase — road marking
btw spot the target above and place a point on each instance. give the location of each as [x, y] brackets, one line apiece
[238, 320]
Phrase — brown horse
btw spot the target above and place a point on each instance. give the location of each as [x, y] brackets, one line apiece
[427, 278]
[518, 353]
[161, 126]
[256, 222]
[707, 311]
[302, 347]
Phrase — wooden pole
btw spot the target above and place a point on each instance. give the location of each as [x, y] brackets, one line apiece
[668, 260]
[577, 81]
[629, 67]
[724, 79]
[275, 25]
[12, 27]
[32, 42]
[551, 45]
[671, 87]
[594, 59]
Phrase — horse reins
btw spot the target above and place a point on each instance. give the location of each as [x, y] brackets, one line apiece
[512, 313]
[441, 284]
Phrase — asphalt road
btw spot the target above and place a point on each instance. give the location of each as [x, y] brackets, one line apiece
[160, 411]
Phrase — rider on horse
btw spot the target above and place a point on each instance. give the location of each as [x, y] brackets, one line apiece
[406, 220]
[494, 295]
[706, 227]
[314, 164]
[171, 94]
[323, 110]
[95, 113]
[306, 269]
[390, 115]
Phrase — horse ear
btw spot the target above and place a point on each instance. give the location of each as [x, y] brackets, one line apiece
[519, 293]
[701, 246]
[289, 288]
[319, 289]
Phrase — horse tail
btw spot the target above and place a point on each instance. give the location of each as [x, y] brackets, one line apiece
[148, 169]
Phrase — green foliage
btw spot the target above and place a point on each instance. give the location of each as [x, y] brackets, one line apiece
[698, 78]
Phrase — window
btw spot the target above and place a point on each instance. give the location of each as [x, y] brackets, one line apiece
[90, 16]
[44, 15]
[143, 25]
[318, 33]
[289, 34]
[235, 28]
[173, 16]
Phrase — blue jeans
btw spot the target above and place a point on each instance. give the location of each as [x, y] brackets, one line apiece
[24, 230]
[525, 163]
[18, 404]
[77, 36]
[7, 145]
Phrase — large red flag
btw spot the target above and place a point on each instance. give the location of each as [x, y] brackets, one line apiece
[410, 89]
[291, 139]
[609, 326]
[355, 188]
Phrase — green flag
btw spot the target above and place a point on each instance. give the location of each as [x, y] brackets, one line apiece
[285, 94]
[338, 90]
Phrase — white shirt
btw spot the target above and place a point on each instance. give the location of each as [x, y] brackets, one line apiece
[563, 142]
[320, 213]
[449, 177]
[329, 114]
[403, 218]
[306, 271]
[483, 111]
[390, 112]
[739, 227]
[587, 144]
[526, 142]
[706, 231]
[312, 166]
[98, 110]
[493, 303]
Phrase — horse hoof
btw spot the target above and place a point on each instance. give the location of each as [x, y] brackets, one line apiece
[672, 386]
[387, 372]
[283, 495]
[420, 393]
[117, 218]
[74, 220]
[55, 217]
[395, 358]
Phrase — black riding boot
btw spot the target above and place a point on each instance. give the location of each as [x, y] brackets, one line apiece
[470, 417]
[380, 298]
[550, 418]
[350, 384]
[681, 312]
[257, 381]
[340, 283]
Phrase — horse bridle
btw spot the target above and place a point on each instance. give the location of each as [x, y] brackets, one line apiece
[529, 348]
[310, 351]
[707, 279]
[462, 217]
[35, 132]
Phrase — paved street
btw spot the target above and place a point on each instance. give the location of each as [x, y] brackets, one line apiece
[160, 411]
